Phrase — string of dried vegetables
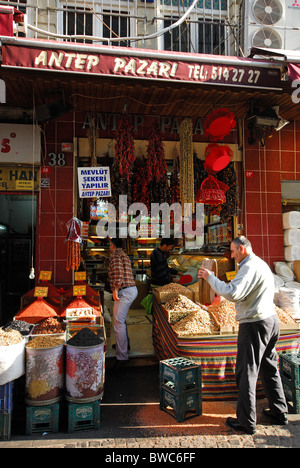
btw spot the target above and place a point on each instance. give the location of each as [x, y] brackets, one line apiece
[175, 182]
[140, 186]
[156, 162]
[186, 163]
[73, 255]
[124, 147]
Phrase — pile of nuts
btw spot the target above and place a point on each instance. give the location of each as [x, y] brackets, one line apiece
[9, 337]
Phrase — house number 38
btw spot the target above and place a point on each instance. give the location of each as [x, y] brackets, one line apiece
[57, 159]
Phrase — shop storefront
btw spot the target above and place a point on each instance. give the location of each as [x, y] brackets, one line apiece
[101, 109]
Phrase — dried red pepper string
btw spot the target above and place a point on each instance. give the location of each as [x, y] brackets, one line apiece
[124, 148]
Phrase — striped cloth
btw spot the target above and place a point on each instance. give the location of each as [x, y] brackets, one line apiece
[215, 354]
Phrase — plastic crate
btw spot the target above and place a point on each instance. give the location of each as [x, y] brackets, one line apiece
[83, 416]
[42, 419]
[181, 407]
[180, 375]
[6, 397]
[292, 395]
[5, 426]
[289, 365]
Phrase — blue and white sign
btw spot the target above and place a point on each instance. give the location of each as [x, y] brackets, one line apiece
[94, 182]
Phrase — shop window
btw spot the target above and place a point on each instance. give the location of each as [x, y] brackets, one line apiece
[211, 37]
[178, 39]
[116, 26]
[77, 22]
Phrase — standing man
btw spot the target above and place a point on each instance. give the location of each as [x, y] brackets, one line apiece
[124, 292]
[253, 292]
[161, 273]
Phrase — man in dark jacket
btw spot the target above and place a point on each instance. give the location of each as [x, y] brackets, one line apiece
[161, 273]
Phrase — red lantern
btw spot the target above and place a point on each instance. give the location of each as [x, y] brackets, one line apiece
[218, 124]
[211, 192]
[217, 157]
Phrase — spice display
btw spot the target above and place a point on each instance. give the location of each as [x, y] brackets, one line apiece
[166, 292]
[84, 366]
[44, 370]
[85, 337]
[124, 147]
[45, 342]
[22, 327]
[10, 337]
[156, 162]
[35, 312]
[186, 163]
[80, 303]
[196, 323]
[48, 326]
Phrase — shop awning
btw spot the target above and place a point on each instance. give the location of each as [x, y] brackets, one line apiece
[289, 58]
[150, 81]
[142, 64]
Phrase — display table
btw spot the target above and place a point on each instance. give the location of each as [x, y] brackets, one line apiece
[215, 353]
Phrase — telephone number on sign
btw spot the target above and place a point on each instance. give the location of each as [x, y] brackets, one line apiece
[234, 75]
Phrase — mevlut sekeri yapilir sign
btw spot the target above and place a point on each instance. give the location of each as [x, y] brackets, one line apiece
[94, 182]
[190, 68]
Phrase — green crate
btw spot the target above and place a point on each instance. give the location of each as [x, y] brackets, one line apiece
[83, 416]
[180, 375]
[289, 365]
[292, 395]
[5, 426]
[42, 418]
[181, 407]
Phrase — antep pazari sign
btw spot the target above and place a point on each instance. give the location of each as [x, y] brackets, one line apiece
[191, 68]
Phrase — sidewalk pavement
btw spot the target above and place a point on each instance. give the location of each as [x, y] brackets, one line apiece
[130, 418]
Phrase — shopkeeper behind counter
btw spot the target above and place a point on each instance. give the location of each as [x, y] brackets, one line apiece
[161, 273]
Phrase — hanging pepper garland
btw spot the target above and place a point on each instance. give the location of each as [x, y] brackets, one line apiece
[140, 186]
[156, 162]
[124, 148]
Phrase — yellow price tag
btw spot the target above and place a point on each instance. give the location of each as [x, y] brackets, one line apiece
[45, 275]
[230, 275]
[80, 275]
[40, 291]
[79, 290]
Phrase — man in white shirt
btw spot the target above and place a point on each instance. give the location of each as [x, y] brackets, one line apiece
[252, 290]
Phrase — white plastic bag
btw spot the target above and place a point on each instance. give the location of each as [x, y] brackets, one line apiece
[12, 362]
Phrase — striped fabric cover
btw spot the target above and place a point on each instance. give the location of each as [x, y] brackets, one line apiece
[216, 354]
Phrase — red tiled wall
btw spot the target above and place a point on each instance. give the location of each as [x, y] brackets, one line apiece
[56, 205]
[278, 160]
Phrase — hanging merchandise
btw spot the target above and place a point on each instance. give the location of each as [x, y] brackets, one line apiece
[217, 157]
[156, 162]
[186, 163]
[174, 182]
[124, 147]
[218, 124]
[212, 192]
[140, 185]
[73, 241]
[231, 207]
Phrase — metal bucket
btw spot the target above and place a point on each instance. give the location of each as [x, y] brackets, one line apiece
[84, 373]
[44, 375]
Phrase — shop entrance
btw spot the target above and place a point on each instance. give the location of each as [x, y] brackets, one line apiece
[17, 240]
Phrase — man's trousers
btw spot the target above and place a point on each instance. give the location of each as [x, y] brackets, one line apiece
[257, 357]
